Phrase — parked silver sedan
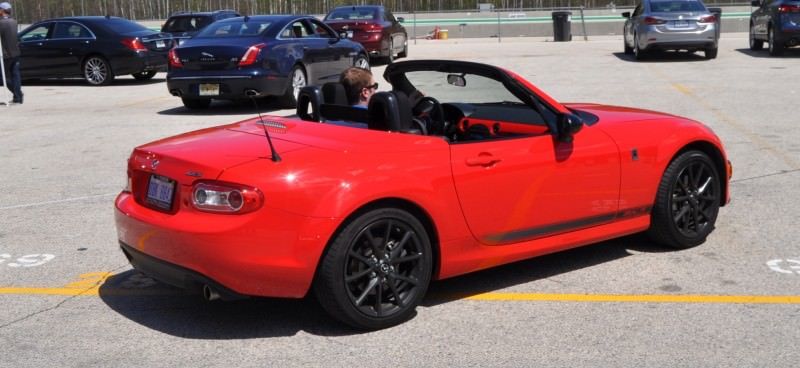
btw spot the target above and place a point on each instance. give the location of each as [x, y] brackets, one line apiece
[670, 25]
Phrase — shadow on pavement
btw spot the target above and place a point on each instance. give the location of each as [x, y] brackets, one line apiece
[80, 82]
[764, 54]
[664, 57]
[223, 107]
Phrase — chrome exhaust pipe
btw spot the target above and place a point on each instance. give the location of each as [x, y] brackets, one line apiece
[209, 294]
[175, 92]
[252, 93]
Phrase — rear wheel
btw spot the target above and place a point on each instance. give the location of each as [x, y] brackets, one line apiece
[298, 80]
[361, 61]
[775, 47]
[376, 271]
[196, 103]
[97, 71]
[638, 53]
[144, 75]
[687, 201]
[628, 49]
[711, 52]
[755, 44]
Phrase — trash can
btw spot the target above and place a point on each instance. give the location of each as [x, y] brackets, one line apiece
[718, 13]
[561, 26]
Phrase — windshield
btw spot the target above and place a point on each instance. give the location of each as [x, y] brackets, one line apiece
[475, 89]
[352, 14]
[236, 28]
[676, 6]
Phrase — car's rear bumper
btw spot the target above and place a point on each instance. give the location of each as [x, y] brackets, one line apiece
[265, 253]
[231, 87]
[656, 37]
[141, 62]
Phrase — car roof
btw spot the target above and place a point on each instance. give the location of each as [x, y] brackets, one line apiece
[359, 7]
[202, 13]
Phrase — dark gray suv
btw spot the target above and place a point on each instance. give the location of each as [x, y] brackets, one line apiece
[183, 25]
[776, 22]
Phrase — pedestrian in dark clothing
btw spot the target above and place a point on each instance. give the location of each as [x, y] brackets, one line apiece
[8, 37]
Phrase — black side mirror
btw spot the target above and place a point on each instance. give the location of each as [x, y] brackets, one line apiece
[568, 126]
[755, 3]
[401, 19]
[626, 14]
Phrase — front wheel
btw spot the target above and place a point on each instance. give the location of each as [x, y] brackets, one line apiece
[405, 49]
[97, 71]
[638, 53]
[628, 50]
[376, 270]
[755, 44]
[687, 202]
[142, 76]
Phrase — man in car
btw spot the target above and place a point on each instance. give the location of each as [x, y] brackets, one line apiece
[8, 37]
[359, 86]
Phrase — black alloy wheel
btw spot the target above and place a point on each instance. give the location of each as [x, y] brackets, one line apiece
[687, 202]
[145, 75]
[376, 271]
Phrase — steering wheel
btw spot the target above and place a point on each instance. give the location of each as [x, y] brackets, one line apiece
[430, 111]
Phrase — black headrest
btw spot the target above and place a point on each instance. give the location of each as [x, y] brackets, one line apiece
[390, 111]
[308, 103]
[334, 93]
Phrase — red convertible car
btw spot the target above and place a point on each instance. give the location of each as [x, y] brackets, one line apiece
[461, 167]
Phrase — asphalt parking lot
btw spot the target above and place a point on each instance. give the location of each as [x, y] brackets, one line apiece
[70, 299]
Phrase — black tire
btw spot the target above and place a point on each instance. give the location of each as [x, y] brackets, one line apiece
[755, 44]
[361, 61]
[405, 49]
[628, 49]
[711, 53]
[196, 103]
[638, 53]
[297, 80]
[97, 71]
[775, 46]
[368, 282]
[142, 76]
[687, 202]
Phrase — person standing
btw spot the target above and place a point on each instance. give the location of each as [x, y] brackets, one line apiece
[11, 54]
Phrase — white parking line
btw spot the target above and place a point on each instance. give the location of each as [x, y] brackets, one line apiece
[56, 201]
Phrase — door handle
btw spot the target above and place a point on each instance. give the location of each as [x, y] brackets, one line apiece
[484, 159]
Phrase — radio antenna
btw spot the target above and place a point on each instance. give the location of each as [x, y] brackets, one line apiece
[273, 152]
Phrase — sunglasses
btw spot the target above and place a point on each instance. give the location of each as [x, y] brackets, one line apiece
[372, 86]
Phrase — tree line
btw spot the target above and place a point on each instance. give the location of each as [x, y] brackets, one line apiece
[28, 11]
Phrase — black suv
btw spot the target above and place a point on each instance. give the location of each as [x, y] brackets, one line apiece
[183, 25]
[776, 22]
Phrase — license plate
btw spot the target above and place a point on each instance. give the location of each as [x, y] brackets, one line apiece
[160, 44]
[349, 34]
[160, 191]
[681, 24]
[209, 89]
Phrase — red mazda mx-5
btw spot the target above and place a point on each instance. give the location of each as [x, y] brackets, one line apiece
[461, 167]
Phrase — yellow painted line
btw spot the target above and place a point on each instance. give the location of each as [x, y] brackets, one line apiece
[95, 291]
[614, 298]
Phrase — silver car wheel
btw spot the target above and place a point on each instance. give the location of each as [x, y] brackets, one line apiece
[298, 81]
[362, 62]
[95, 71]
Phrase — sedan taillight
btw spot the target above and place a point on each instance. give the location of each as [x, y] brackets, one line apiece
[251, 55]
[789, 9]
[223, 197]
[708, 19]
[134, 44]
[654, 20]
[174, 60]
[373, 28]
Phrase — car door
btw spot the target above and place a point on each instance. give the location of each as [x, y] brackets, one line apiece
[35, 56]
[396, 30]
[315, 54]
[630, 25]
[761, 18]
[68, 45]
[520, 189]
[342, 53]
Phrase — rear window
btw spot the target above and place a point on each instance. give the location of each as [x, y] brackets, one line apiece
[352, 14]
[186, 24]
[238, 28]
[676, 6]
[123, 26]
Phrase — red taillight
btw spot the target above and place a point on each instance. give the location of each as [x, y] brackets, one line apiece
[174, 60]
[251, 55]
[789, 9]
[223, 197]
[708, 19]
[134, 44]
[653, 20]
[372, 27]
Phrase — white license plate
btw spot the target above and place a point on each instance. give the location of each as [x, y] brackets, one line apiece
[349, 34]
[680, 24]
[160, 44]
[159, 192]
[209, 89]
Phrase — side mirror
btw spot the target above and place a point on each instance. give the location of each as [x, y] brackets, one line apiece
[457, 80]
[755, 3]
[401, 19]
[568, 126]
[626, 14]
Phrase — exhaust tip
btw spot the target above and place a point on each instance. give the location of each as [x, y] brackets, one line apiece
[209, 294]
[252, 93]
[175, 92]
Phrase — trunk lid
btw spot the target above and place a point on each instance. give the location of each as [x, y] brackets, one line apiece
[212, 54]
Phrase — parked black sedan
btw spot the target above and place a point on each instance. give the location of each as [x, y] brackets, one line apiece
[95, 48]
[183, 25]
[265, 55]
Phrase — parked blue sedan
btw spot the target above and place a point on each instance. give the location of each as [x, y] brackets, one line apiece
[269, 55]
